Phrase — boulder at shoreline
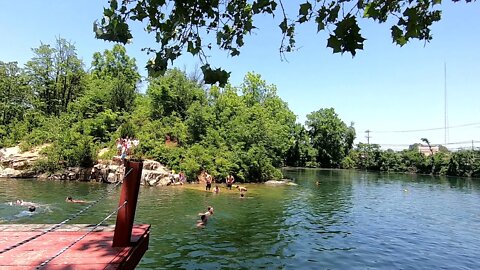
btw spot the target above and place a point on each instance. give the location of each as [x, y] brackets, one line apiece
[17, 164]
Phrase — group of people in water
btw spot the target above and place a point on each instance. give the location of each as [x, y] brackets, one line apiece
[179, 178]
[229, 180]
[31, 208]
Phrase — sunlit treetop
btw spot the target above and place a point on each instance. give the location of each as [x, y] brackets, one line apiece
[185, 25]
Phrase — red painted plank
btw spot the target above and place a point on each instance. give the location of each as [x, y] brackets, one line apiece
[95, 251]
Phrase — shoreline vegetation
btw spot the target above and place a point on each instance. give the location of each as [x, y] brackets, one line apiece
[246, 131]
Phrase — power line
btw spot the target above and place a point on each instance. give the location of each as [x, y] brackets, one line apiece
[425, 129]
[464, 142]
[470, 143]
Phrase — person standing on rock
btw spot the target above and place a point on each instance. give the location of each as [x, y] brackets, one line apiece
[230, 181]
[208, 181]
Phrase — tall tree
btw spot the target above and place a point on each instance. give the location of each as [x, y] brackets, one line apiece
[174, 93]
[330, 136]
[301, 153]
[120, 70]
[368, 156]
[15, 94]
[432, 159]
[115, 63]
[261, 126]
[56, 76]
[255, 90]
[180, 26]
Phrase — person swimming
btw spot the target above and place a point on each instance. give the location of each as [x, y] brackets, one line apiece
[71, 200]
[29, 212]
[242, 188]
[204, 217]
[202, 222]
[23, 203]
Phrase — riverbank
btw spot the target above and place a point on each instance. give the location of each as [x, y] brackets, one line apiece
[15, 163]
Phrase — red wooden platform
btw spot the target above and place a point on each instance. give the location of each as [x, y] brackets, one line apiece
[95, 251]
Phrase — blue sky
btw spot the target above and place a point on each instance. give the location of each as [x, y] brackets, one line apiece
[384, 88]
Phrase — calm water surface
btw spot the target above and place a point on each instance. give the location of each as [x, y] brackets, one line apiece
[351, 220]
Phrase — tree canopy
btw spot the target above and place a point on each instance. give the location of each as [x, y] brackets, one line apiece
[189, 25]
[330, 136]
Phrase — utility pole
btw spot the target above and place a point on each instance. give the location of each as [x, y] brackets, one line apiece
[368, 136]
[445, 99]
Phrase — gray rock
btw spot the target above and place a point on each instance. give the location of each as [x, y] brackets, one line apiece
[15, 164]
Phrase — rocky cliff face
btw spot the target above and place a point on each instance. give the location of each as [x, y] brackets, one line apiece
[153, 173]
[17, 164]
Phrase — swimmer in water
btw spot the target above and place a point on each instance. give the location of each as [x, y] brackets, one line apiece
[30, 211]
[23, 203]
[242, 189]
[202, 222]
[204, 217]
[71, 200]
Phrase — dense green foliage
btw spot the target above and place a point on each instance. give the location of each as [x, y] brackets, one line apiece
[56, 75]
[371, 157]
[246, 130]
[330, 136]
[193, 25]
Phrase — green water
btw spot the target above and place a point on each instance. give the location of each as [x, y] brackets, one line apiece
[351, 220]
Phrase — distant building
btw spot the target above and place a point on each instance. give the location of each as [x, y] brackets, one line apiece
[426, 150]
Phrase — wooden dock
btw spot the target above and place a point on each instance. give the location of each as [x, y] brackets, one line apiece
[81, 247]
[95, 251]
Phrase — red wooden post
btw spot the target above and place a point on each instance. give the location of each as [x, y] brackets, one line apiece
[126, 215]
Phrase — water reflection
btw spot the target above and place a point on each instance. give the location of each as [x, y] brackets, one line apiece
[318, 215]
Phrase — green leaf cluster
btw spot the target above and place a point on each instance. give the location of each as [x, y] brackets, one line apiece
[190, 25]
[330, 136]
[371, 157]
[217, 129]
